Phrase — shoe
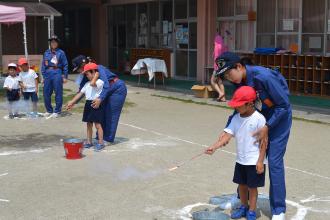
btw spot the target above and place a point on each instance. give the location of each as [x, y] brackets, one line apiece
[98, 147]
[47, 114]
[11, 116]
[279, 217]
[33, 115]
[239, 213]
[251, 215]
[88, 145]
[54, 115]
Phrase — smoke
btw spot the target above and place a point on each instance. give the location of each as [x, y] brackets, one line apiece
[132, 173]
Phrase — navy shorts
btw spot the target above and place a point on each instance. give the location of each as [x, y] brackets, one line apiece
[91, 114]
[30, 95]
[13, 95]
[247, 175]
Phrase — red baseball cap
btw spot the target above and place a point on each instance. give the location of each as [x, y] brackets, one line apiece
[242, 95]
[90, 66]
[22, 61]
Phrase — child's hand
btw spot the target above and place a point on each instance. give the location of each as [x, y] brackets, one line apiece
[69, 106]
[260, 167]
[210, 150]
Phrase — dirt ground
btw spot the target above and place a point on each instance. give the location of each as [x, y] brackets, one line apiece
[130, 179]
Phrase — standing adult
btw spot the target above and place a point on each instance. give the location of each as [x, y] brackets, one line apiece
[113, 94]
[54, 70]
[274, 104]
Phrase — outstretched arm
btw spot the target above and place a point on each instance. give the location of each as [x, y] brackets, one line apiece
[75, 99]
[222, 141]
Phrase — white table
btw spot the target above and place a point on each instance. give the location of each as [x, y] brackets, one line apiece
[150, 66]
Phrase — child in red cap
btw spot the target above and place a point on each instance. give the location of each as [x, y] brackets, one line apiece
[91, 115]
[29, 84]
[250, 159]
[11, 85]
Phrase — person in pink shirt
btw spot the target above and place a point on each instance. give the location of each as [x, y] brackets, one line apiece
[216, 82]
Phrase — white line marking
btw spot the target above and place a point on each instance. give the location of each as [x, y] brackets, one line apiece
[14, 152]
[314, 199]
[228, 152]
[308, 173]
[185, 212]
[4, 200]
[4, 174]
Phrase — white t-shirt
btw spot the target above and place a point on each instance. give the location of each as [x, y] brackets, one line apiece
[11, 82]
[29, 80]
[90, 92]
[242, 129]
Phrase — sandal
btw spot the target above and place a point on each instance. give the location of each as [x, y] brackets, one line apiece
[222, 99]
[88, 145]
[98, 147]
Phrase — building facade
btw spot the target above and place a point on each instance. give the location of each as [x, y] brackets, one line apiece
[109, 29]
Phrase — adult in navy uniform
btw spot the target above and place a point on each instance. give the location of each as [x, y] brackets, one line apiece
[113, 94]
[54, 70]
[273, 96]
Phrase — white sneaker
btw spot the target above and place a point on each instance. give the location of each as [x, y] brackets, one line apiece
[279, 217]
[54, 115]
[47, 114]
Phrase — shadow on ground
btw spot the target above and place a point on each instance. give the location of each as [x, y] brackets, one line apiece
[29, 141]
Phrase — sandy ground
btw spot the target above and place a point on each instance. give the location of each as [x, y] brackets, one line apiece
[130, 180]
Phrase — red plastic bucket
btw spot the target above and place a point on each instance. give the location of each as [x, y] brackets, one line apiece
[73, 148]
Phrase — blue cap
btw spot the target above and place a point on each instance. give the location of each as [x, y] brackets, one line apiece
[225, 62]
[77, 61]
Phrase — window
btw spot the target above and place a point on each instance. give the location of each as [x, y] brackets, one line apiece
[142, 25]
[313, 26]
[180, 9]
[226, 8]
[233, 24]
[308, 33]
[242, 7]
[266, 23]
[131, 25]
[154, 24]
[192, 8]
[185, 38]
[244, 36]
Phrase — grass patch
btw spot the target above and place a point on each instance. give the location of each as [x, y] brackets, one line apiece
[189, 101]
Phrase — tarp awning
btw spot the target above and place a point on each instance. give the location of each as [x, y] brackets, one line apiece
[35, 8]
[11, 15]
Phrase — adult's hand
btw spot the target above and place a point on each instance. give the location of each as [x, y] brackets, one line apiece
[96, 103]
[262, 136]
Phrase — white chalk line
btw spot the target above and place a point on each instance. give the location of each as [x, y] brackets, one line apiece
[4, 200]
[14, 152]
[185, 212]
[4, 174]
[225, 151]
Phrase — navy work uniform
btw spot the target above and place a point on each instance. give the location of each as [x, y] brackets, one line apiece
[113, 94]
[54, 67]
[273, 94]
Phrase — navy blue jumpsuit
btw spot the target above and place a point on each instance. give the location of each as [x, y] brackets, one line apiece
[273, 92]
[113, 95]
[53, 81]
